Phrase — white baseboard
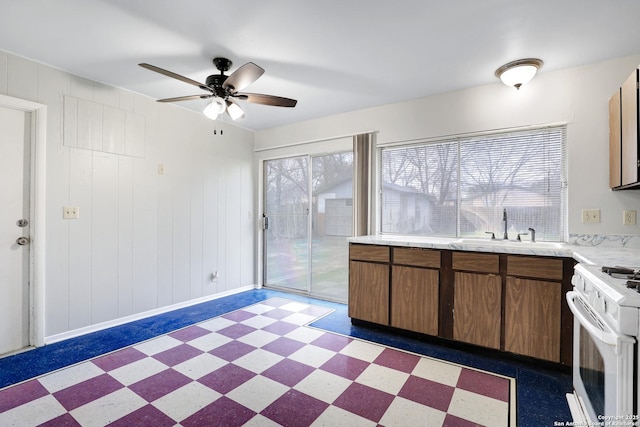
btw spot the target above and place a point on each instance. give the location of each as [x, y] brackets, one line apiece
[122, 320]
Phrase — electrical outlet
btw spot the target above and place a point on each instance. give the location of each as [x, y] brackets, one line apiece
[70, 212]
[590, 215]
[629, 217]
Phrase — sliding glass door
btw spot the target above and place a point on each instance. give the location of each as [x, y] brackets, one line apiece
[306, 246]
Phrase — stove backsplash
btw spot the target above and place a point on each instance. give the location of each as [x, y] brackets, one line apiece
[605, 240]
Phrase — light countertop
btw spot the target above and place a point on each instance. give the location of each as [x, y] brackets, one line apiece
[598, 255]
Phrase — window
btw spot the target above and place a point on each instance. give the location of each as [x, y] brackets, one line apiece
[460, 187]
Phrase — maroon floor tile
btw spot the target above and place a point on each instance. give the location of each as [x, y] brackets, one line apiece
[485, 384]
[426, 392]
[280, 328]
[118, 359]
[332, 341]
[20, 394]
[232, 350]
[294, 409]
[222, 412]
[160, 384]
[398, 360]
[178, 354]
[451, 421]
[288, 372]
[189, 333]
[236, 331]
[64, 420]
[86, 391]
[226, 378]
[147, 416]
[277, 313]
[367, 402]
[239, 316]
[283, 346]
[345, 366]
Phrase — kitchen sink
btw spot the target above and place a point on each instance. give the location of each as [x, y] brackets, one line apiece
[511, 243]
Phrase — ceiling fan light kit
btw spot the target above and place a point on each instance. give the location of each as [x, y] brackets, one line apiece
[225, 89]
[519, 72]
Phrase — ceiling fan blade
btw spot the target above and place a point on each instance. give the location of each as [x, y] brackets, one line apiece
[185, 98]
[234, 111]
[260, 98]
[243, 76]
[174, 75]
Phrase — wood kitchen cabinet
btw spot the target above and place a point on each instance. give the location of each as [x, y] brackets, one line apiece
[512, 303]
[415, 285]
[624, 163]
[369, 283]
[533, 307]
[477, 299]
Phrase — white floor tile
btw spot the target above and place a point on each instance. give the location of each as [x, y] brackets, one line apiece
[186, 400]
[257, 393]
[259, 308]
[216, 324]
[200, 366]
[295, 306]
[440, 372]
[258, 338]
[305, 335]
[403, 412]
[209, 342]
[259, 322]
[323, 385]
[258, 361]
[70, 376]
[136, 371]
[299, 319]
[334, 416]
[34, 413]
[362, 350]
[157, 345]
[383, 378]
[109, 408]
[479, 409]
[312, 356]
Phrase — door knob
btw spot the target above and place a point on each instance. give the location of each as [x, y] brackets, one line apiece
[22, 241]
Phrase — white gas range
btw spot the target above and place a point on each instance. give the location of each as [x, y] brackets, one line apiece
[606, 370]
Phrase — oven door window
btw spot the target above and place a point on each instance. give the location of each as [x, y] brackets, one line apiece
[592, 371]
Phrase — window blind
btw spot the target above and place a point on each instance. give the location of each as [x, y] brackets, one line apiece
[461, 186]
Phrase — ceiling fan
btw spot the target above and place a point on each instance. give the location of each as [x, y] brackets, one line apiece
[224, 90]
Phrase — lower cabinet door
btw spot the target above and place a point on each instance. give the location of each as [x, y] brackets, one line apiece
[532, 318]
[369, 292]
[414, 299]
[477, 309]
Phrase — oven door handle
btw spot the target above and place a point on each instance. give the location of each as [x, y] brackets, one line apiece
[607, 336]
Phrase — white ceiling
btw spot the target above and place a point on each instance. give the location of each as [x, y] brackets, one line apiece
[332, 56]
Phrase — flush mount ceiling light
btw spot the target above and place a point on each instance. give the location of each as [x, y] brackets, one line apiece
[517, 73]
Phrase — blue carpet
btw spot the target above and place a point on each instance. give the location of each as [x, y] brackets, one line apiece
[540, 392]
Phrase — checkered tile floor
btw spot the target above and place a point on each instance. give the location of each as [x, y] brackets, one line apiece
[260, 366]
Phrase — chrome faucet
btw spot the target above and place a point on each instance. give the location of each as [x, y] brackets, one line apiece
[533, 234]
[504, 218]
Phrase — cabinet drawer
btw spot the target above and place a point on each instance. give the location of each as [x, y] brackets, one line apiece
[472, 261]
[417, 257]
[541, 268]
[369, 253]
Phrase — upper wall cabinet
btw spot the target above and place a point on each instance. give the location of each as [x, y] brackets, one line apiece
[624, 164]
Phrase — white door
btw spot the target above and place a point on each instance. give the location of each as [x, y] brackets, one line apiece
[14, 224]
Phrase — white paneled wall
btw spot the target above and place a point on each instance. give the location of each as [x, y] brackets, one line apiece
[144, 240]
